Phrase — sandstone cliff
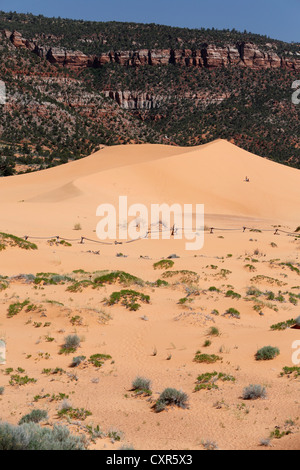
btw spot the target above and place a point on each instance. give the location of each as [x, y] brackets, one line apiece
[210, 56]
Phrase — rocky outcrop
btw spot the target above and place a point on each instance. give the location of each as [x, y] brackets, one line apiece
[245, 54]
[75, 59]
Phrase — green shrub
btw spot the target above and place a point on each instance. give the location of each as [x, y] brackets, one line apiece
[7, 239]
[79, 414]
[267, 353]
[164, 264]
[31, 436]
[214, 331]
[117, 276]
[206, 358]
[295, 371]
[232, 294]
[232, 312]
[16, 308]
[72, 342]
[77, 361]
[36, 416]
[171, 396]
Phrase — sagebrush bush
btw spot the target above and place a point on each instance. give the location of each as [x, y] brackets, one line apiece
[72, 342]
[36, 416]
[31, 436]
[267, 353]
[253, 392]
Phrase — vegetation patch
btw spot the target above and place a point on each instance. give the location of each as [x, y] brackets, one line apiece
[291, 371]
[98, 359]
[17, 307]
[169, 397]
[141, 386]
[72, 342]
[208, 380]
[185, 276]
[267, 353]
[79, 414]
[254, 392]
[117, 276]
[31, 436]
[206, 358]
[283, 325]
[51, 279]
[36, 416]
[164, 264]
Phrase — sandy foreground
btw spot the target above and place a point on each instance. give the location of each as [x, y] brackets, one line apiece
[159, 340]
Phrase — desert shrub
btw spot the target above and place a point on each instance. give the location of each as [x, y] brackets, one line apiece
[206, 358]
[51, 279]
[77, 361]
[267, 353]
[72, 342]
[19, 380]
[31, 436]
[17, 307]
[79, 414]
[163, 264]
[160, 283]
[294, 371]
[208, 380]
[36, 416]
[117, 276]
[265, 442]
[214, 331]
[98, 359]
[210, 445]
[128, 299]
[213, 289]
[7, 239]
[253, 392]
[232, 312]
[141, 385]
[2, 390]
[171, 396]
[232, 294]
[283, 325]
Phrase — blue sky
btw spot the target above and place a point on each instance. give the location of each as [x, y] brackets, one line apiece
[278, 19]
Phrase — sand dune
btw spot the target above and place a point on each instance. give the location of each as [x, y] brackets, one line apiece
[212, 174]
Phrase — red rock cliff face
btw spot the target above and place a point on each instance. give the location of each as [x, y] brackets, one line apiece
[210, 56]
